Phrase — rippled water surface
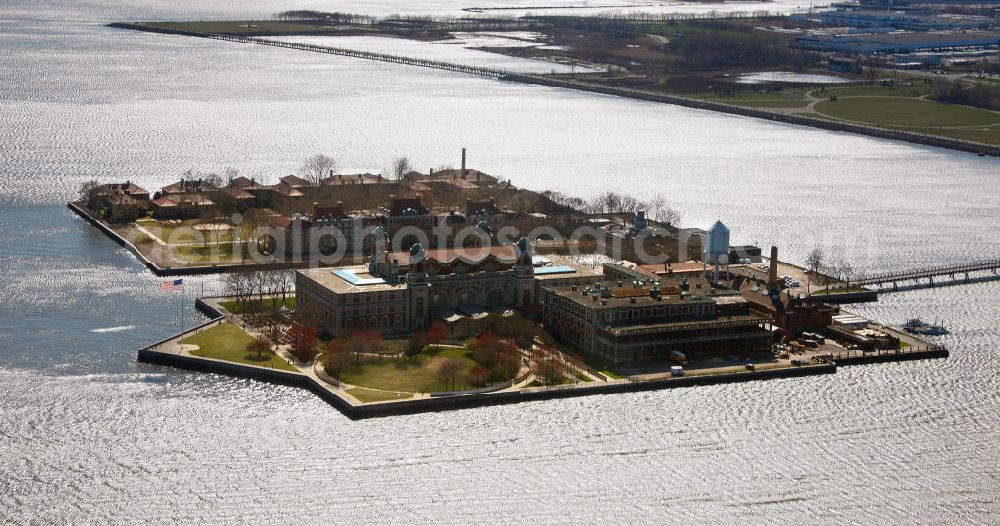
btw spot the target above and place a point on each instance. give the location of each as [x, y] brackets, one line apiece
[88, 435]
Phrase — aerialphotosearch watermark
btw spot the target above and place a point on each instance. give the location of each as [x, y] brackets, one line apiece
[263, 239]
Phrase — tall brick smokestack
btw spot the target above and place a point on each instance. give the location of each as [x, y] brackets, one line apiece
[463, 162]
[772, 275]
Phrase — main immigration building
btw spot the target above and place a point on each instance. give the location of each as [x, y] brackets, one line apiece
[623, 318]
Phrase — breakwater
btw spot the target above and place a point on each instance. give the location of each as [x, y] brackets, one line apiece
[565, 83]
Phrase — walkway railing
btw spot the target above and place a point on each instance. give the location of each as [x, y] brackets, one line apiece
[928, 272]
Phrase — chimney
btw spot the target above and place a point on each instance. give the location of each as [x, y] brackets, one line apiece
[463, 163]
[772, 274]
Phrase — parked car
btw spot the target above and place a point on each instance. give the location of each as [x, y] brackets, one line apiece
[676, 370]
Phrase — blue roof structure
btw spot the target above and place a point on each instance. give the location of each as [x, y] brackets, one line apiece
[554, 269]
[352, 278]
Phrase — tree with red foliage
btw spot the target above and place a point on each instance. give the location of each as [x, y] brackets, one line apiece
[259, 347]
[487, 349]
[305, 344]
[479, 376]
[374, 343]
[436, 333]
[549, 371]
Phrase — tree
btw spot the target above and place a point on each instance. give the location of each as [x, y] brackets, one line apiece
[814, 261]
[213, 179]
[487, 349]
[658, 209]
[400, 167]
[259, 347]
[549, 371]
[357, 345]
[415, 343]
[336, 361]
[88, 192]
[230, 173]
[374, 344]
[479, 376]
[254, 225]
[448, 371]
[304, 342]
[436, 333]
[317, 167]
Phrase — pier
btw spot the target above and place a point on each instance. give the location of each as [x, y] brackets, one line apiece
[929, 273]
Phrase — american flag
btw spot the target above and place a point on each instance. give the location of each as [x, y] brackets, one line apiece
[176, 284]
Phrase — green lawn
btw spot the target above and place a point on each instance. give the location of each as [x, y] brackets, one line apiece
[906, 112]
[236, 307]
[207, 254]
[767, 103]
[916, 90]
[369, 395]
[420, 376]
[790, 94]
[228, 342]
[988, 136]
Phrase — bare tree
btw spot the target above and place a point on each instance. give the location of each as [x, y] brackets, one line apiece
[658, 209]
[815, 260]
[212, 178]
[316, 167]
[400, 167]
[230, 173]
[255, 221]
[448, 370]
[605, 203]
[88, 192]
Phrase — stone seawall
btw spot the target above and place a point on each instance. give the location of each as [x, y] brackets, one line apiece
[461, 401]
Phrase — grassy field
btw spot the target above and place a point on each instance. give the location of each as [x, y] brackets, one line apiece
[915, 89]
[985, 135]
[790, 94]
[906, 112]
[207, 255]
[766, 103]
[417, 377]
[236, 307]
[370, 395]
[183, 232]
[228, 342]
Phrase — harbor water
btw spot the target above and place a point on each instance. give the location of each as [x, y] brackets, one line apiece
[89, 435]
